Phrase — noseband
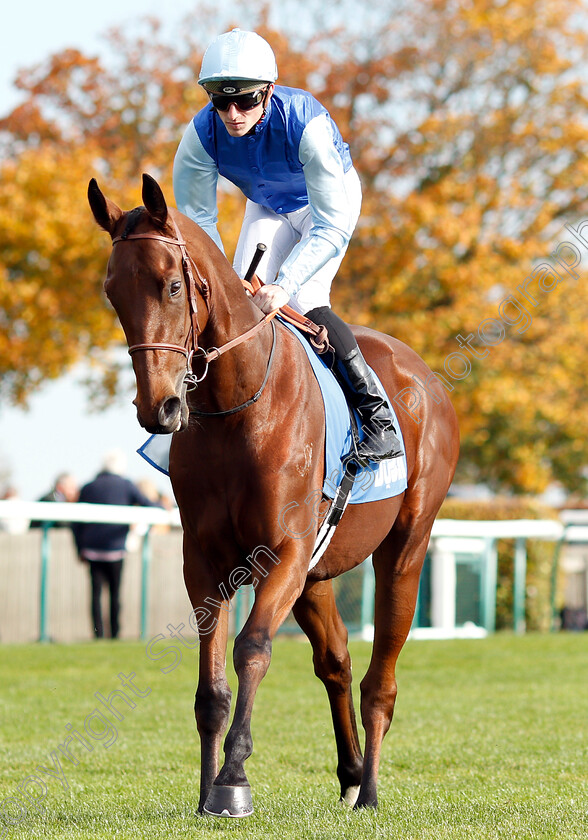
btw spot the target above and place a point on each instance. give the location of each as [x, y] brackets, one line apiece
[191, 350]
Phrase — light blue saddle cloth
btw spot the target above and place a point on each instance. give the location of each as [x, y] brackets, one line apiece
[375, 482]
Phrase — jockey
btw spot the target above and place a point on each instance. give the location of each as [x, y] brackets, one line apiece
[280, 146]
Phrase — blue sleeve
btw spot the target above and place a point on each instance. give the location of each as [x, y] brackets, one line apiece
[195, 177]
[333, 210]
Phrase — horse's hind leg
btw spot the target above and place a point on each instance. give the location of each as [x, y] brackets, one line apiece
[317, 614]
[397, 566]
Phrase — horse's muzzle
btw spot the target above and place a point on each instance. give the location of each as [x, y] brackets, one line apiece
[171, 416]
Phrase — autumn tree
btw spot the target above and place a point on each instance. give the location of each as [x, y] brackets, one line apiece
[466, 123]
[81, 118]
[469, 126]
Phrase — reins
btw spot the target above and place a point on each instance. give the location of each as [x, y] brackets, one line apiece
[319, 337]
[251, 400]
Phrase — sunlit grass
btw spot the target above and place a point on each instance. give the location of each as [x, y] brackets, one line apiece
[489, 741]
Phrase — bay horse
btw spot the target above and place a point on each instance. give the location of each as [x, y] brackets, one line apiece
[248, 444]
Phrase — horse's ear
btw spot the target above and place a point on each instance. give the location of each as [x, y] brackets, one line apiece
[154, 201]
[105, 211]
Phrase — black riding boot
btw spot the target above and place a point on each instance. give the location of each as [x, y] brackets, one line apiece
[357, 380]
[377, 420]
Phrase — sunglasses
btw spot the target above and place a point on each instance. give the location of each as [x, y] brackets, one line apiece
[243, 101]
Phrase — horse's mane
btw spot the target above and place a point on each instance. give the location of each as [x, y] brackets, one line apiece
[132, 218]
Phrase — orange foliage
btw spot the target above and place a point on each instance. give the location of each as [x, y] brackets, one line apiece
[466, 124]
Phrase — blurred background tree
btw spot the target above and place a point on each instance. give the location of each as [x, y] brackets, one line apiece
[466, 121]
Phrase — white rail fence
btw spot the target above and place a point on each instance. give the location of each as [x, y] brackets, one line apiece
[45, 590]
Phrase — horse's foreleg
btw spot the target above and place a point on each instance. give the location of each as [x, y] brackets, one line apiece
[212, 703]
[317, 614]
[230, 794]
[397, 582]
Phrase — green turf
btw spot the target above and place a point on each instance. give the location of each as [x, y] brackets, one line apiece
[488, 741]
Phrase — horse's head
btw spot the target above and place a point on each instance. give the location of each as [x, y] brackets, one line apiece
[151, 285]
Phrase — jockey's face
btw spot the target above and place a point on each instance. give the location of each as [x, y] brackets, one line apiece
[238, 122]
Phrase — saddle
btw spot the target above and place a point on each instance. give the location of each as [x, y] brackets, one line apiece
[319, 339]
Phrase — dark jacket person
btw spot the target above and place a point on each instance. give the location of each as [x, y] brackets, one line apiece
[102, 544]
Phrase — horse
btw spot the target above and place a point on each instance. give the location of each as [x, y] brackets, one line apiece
[248, 429]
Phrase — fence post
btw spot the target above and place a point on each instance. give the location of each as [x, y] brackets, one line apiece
[244, 598]
[240, 609]
[145, 569]
[443, 585]
[489, 585]
[44, 593]
[520, 583]
[367, 599]
[553, 580]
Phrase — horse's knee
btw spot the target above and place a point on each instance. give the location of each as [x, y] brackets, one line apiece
[333, 668]
[252, 648]
[377, 703]
[212, 706]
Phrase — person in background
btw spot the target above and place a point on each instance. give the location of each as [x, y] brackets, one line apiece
[152, 492]
[15, 524]
[65, 489]
[103, 545]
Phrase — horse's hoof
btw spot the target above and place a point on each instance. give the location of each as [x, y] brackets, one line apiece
[360, 804]
[229, 801]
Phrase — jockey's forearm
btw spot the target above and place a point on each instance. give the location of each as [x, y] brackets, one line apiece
[306, 259]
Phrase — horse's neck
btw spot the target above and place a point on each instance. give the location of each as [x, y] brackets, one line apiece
[236, 375]
[231, 311]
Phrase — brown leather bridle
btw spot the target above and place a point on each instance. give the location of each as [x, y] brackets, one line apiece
[191, 350]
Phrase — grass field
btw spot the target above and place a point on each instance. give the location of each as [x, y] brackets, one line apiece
[489, 741]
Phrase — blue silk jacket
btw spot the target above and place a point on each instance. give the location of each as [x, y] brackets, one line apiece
[294, 157]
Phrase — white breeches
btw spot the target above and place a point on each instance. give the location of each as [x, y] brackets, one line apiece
[280, 233]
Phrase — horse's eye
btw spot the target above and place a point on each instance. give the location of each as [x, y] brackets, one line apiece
[175, 287]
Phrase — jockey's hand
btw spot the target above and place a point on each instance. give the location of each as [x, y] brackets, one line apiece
[271, 297]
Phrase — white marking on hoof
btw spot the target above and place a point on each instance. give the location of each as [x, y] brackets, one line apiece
[350, 797]
[226, 813]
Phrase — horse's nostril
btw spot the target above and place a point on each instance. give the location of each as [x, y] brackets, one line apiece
[169, 412]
